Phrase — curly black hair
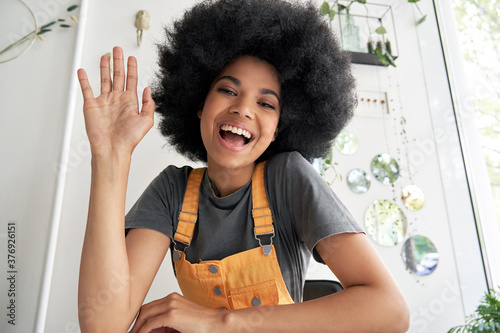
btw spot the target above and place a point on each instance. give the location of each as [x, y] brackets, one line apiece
[317, 87]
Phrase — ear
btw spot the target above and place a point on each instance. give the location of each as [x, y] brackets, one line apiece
[200, 109]
[275, 134]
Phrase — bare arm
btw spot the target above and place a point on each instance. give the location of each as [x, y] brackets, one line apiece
[113, 283]
[371, 301]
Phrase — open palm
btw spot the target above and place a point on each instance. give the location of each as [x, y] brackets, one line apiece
[113, 120]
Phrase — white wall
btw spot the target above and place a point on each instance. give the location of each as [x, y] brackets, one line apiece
[436, 301]
[34, 95]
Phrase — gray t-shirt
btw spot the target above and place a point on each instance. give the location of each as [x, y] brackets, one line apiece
[305, 210]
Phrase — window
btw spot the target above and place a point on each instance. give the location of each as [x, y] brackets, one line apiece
[470, 32]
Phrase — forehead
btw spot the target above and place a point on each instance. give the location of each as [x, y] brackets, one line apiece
[252, 68]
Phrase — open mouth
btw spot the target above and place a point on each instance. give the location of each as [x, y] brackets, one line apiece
[235, 136]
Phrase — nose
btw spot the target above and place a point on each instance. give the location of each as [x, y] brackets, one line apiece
[243, 107]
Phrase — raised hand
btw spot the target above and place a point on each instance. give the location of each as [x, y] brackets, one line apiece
[112, 120]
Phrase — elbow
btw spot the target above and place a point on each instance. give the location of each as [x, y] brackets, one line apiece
[402, 323]
[94, 322]
[400, 316]
[405, 320]
[90, 324]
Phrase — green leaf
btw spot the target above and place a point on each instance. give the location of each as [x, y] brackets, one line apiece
[324, 9]
[47, 25]
[64, 25]
[361, 1]
[390, 61]
[42, 31]
[342, 7]
[71, 8]
[381, 30]
[332, 14]
[413, 1]
[381, 56]
[421, 20]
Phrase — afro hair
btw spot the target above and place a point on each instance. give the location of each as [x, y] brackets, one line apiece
[317, 87]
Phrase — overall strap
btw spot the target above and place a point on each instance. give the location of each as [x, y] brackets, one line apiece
[189, 212]
[261, 212]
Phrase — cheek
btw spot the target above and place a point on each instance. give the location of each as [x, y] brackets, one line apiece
[271, 127]
[275, 121]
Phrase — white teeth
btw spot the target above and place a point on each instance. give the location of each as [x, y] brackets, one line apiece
[236, 130]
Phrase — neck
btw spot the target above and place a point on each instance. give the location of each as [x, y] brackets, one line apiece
[226, 181]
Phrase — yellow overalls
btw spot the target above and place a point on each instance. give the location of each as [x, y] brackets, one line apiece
[245, 279]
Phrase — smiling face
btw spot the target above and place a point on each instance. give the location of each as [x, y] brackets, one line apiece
[240, 115]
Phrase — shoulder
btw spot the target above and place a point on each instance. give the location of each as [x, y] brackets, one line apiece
[170, 181]
[290, 165]
[175, 172]
[289, 160]
[290, 176]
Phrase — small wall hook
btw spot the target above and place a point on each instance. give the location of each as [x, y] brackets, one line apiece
[142, 22]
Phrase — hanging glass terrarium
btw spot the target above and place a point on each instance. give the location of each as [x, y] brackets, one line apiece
[366, 30]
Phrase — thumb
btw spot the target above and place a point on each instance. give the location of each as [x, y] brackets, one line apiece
[148, 105]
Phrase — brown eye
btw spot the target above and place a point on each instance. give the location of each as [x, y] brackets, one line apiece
[267, 105]
[226, 91]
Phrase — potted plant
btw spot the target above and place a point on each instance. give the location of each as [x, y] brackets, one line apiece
[381, 49]
[486, 317]
[350, 32]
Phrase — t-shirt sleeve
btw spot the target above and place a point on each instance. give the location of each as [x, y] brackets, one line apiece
[314, 209]
[159, 203]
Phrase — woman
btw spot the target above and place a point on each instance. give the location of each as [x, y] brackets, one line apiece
[240, 82]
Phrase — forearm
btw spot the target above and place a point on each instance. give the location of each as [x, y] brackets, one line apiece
[104, 285]
[356, 309]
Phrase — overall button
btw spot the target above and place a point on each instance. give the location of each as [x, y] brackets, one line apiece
[213, 269]
[177, 255]
[267, 249]
[255, 301]
[217, 291]
[222, 308]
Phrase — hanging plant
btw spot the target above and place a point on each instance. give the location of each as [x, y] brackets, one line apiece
[423, 17]
[326, 9]
[48, 27]
[383, 50]
[383, 53]
[327, 168]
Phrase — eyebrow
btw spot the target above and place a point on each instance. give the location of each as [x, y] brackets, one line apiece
[238, 83]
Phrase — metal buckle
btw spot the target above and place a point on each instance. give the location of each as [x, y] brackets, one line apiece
[176, 253]
[263, 233]
[256, 235]
[180, 233]
[183, 247]
[258, 217]
[179, 217]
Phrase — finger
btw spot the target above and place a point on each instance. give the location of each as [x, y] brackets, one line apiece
[148, 104]
[105, 75]
[85, 85]
[147, 311]
[118, 69]
[132, 74]
[156, 323]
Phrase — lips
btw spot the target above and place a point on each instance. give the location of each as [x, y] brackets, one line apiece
[236, 130]
[235, 136]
